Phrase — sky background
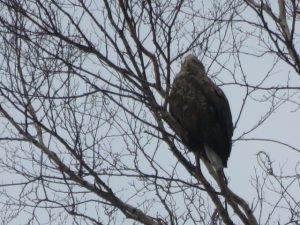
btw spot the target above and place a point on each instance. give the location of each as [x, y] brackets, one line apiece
[283, 125]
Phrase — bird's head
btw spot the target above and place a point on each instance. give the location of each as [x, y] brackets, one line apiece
[193, 65]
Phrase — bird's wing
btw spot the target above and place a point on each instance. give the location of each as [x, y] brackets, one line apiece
[224, 112]
[221, 110]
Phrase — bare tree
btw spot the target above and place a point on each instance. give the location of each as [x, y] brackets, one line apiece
[86, 136]
[279, 22]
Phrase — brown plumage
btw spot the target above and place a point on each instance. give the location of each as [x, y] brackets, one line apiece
[203, 111]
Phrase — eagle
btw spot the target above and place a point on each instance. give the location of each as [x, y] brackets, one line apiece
[202, 110]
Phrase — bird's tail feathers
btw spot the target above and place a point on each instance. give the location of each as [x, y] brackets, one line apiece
[214, 159]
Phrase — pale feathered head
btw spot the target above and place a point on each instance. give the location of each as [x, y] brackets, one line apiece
[192, 65]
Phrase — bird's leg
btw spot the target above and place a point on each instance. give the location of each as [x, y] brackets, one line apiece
[197, 159]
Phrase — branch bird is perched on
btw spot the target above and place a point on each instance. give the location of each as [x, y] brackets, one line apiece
[203, 111]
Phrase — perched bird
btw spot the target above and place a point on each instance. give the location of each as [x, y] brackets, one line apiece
[202, 109]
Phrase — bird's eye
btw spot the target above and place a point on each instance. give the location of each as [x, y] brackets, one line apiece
[195, 61]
